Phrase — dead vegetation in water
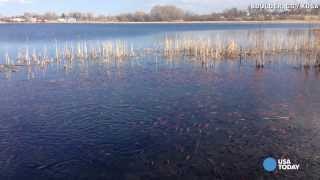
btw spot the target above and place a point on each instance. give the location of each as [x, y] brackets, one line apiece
[68, 52]
[256, 46]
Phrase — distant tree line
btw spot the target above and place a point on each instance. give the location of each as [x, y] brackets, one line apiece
[173, 13]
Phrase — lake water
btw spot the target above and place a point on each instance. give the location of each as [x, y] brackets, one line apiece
[151, 118]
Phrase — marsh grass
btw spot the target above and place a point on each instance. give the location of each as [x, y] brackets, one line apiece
[66, 53]
[257, 46]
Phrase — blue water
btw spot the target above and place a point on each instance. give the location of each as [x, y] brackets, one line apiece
[150, 118]
[43, 32]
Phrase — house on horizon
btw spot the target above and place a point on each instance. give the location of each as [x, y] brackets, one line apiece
[17, 20]
[31, 19]
[67, 20]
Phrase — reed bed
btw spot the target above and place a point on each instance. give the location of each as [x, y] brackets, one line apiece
[255, 46]
[69, 52]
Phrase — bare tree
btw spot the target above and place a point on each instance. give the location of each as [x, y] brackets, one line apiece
[166, 13]
[50, 16]
[234, 13]
[76, 15]
[124, 17]
[173, 13]
[140, 16]
[29, 15]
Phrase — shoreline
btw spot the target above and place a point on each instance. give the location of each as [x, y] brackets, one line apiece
[177, 22]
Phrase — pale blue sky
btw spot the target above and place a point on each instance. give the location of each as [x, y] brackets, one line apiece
[111, 7]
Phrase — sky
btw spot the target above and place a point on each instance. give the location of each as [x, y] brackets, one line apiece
[113, 7]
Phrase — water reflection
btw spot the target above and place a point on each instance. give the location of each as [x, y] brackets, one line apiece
[157, 118]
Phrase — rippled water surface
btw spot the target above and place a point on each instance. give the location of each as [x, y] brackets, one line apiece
[153, 118]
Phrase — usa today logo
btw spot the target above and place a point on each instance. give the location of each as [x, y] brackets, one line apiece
[270, 164]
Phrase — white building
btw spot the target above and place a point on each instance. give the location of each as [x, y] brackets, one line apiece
[67, 20]
[61, 20]
[32, 20]
[71, 20]
[17, 20]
